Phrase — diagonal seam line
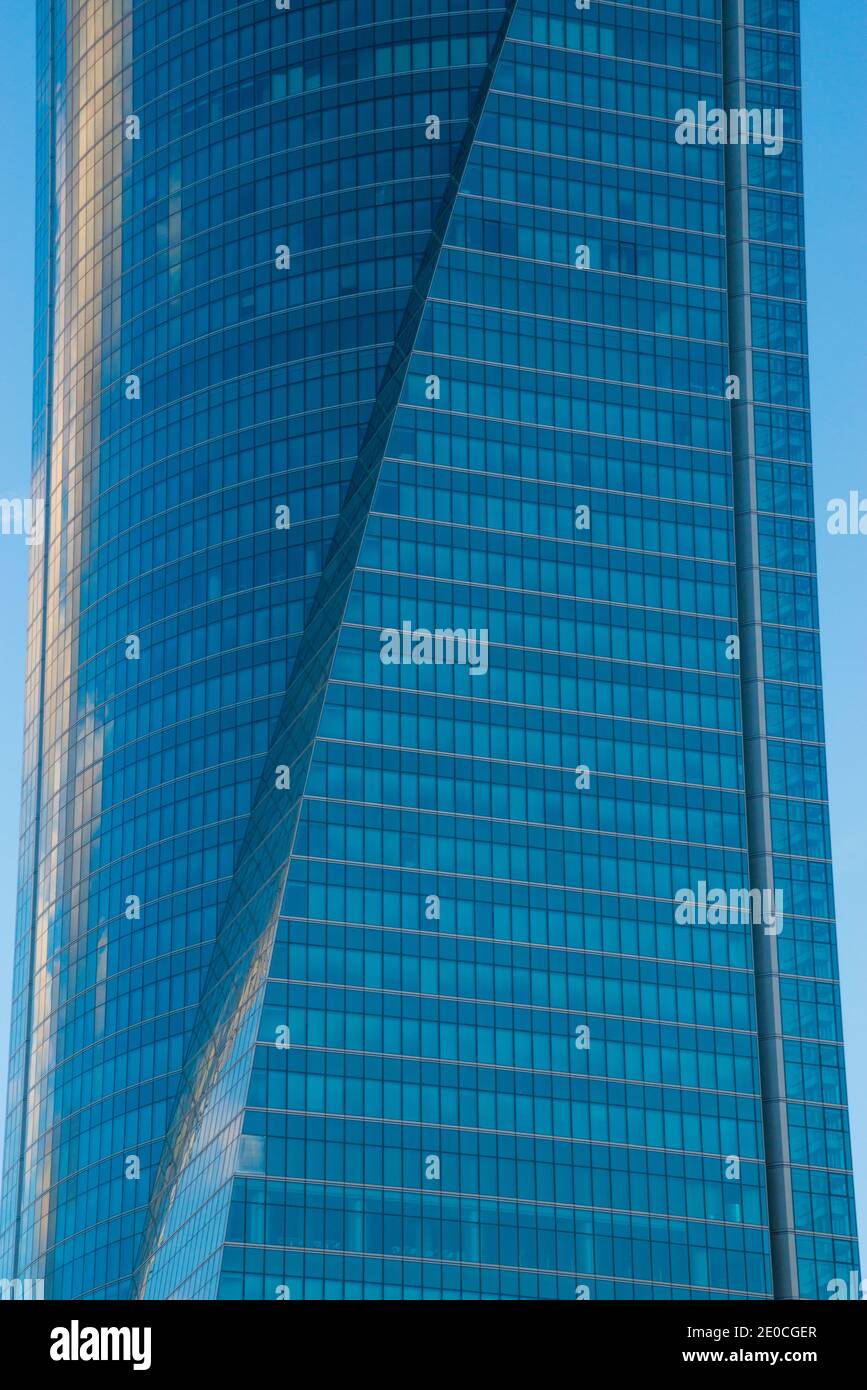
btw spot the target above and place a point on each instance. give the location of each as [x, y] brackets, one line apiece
[240, 958]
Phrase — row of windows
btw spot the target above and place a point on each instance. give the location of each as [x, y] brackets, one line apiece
[251, 1273]
[526, 794]
[624, 33]
[546, 345]
[630, 195]
[470, 497]
[478, 549]
[703, 1199]
[521, 452]
[514, 733]
[385, 1128]
[488, 910]
[636, 691]
[583, 80]
[588, 296]
[365, 957]
[535, 1034]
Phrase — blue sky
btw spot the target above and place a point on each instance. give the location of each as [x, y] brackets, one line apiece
[834, 54]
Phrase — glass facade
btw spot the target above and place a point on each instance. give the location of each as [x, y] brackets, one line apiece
[423, 663]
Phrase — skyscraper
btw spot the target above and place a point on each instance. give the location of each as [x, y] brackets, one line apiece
[425, 878]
